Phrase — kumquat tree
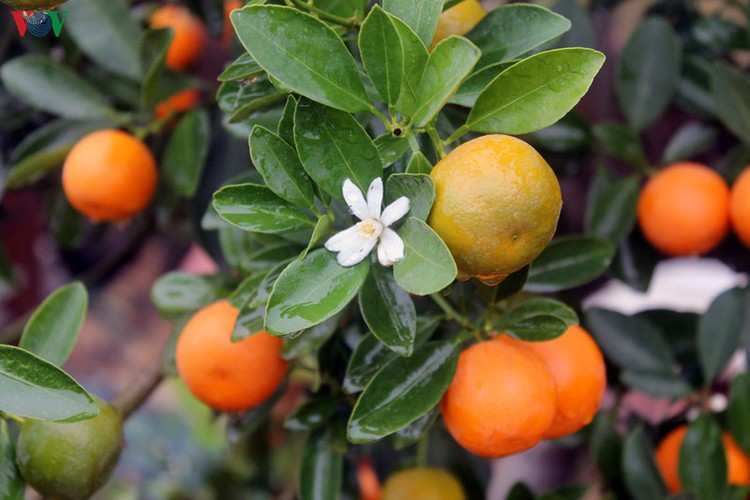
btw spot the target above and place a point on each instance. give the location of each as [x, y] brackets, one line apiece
[392, 249]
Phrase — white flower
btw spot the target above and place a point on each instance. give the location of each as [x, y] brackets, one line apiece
[355, 244]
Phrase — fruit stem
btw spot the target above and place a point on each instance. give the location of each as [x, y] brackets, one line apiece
[423, 448]
[460, 132]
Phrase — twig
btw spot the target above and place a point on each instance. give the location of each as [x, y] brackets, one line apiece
[137, 392]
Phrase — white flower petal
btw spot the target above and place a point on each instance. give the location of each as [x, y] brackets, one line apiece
[383, 257]
[343, 240]
[395, 211]
[355, 200]
[356, 254]
[392, 245]
[375, 198]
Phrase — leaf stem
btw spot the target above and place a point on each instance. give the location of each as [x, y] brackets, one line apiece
[423, 448]
[325, 16]
[436, 140]
[460, 132]
[451, 313]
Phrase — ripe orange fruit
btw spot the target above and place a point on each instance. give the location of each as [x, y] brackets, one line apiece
[109, 175]
[184, 100]
[502, 399]
[458, 20]
[227, 32]
[367, 478]
[668, 455]
[739, 207]
[423, 483]
[684, 209]
[228, 376]
[189, 34]
[497, 204]
[577, 367]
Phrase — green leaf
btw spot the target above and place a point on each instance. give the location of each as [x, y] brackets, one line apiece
[31, 387]
[312, 290]
[280, 167]
[311, 415]
[257, 209]
[731, 93]
[242, 68]
[371, 355]
[642, 478]
[535, 92]
[322, 468]
[569, 262]
[303, 53]
[571, 134]
[738, 414]
[185, 153]
[621, 142]
[582, 32]
[240, 100]
[45, 85]
[511, 285]
[334, 147]
[419, 164]
[647, 72]
[53, 329]
[659, 384]
[46, 148]
[720, 331]
[12, 486]
[703, 463]
[420, 15]
[322, 230]
[606, 447]
[388, 311]
[419, 188]
[152, 49]
[382, 54]
[246, 290]
[178, 292]
[286, 124]
[404, 390]
[450, 62]
[391, 148]
[469, 90]
[630, 342]
[107, 33]
[249, 321]
[311, 339]
[537, 320]
[513, 30]
[636, 261]
[428, 265]
[690, 140]
[415, 60]
[611, 211]
[415, 431]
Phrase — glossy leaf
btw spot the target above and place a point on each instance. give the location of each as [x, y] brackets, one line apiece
[46, 148]
[12, 486]
[53, 329]
[152, 52]
[415, 59]
[690, 140]
[642, 478]
[449, 63]
[178, 292]
[249, 321]
[469, 90]
[428, 265]
[286, 124]
[418, 164]
[311, 339]
[630, 342]
[404, 390]
[382, 57]
[635, 262]
[647, 72]
[569, 262]
[280, 167]
[702, 460]
[537, 320]
[240, 100]
[322, 468]
[738, 414]
[257, 209]
[311, 415]
[535, 92]
[420, 15]
[731, 92]
[31, 387]
[242, 68]
[107, 33]
[513, 30]
[312, 290]
[303, 53]
[334, 147]
[611, 211]
[388, 311]
[720, 331]
[415, 431]
[419, 188]
[391, 148]
[185, 153]
[45, 85]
